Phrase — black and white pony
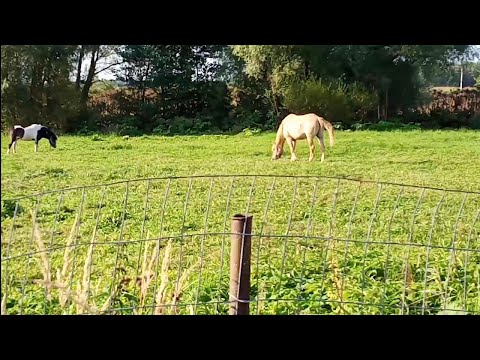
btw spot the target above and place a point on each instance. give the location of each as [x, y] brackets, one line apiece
[34, 132]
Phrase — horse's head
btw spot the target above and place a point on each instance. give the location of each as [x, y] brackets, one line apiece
[52, 138]
[277, 151]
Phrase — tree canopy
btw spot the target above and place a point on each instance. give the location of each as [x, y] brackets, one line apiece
[161, 88]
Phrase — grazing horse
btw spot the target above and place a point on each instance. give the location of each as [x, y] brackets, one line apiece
[34, 132]
[298, 127]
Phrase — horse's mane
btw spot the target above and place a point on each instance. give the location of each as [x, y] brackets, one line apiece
[280, 132]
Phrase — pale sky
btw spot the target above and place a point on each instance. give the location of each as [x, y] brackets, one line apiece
[107, 74]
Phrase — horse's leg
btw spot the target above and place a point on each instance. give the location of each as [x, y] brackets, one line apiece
[15, 146]
[36, 145]
[292, 149]
[311, 146]
[322, 146]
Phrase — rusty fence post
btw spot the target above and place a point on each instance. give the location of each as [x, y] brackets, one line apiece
[240, 257]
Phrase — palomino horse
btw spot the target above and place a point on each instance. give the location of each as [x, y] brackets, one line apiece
[298, 127]
[34, 132]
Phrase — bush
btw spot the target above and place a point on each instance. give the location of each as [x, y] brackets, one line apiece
[130, 131]
[335, 101]
[445, 119]
[475, 122]
[84, 131]
[392, 125]
[361, 102]
[318, 97]
[441, 119]
[8, 209]
[253, 119]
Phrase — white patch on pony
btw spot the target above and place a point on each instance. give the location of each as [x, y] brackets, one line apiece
[31, 132]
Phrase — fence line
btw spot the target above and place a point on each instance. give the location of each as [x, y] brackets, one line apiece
[179, 177]
[314, 245]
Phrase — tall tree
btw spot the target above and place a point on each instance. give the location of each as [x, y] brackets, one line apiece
[93, 55]
[36, 82]
[278, 65]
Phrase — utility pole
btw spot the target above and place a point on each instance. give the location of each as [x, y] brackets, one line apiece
[461, 76]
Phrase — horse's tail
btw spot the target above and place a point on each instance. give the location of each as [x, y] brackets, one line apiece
[329, 127]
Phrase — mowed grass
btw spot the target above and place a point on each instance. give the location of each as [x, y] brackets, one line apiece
[320, 246]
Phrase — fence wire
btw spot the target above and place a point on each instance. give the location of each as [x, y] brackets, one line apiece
[320, 245]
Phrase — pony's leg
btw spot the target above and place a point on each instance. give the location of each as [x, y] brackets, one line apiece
[36, 146]
[12, 142]
[292, 149]
[322, 147]
[15, 146]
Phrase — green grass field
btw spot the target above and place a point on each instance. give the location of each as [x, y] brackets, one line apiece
[321, 245]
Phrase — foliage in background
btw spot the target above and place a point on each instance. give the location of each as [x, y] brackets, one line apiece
[334, 100]
[186, 89]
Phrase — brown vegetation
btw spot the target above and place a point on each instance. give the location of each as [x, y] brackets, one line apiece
[466, 101]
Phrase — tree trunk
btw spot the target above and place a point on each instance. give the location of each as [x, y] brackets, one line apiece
[83, 116]
[91, 74]
[79, 67]
[306, 67]
[143, 82]
[274, 100]
[386, 104]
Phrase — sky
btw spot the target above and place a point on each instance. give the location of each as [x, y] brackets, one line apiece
[108, 74]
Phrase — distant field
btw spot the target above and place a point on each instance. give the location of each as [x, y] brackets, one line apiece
[396, 271]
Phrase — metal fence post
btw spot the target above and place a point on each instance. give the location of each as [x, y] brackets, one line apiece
[240, 257]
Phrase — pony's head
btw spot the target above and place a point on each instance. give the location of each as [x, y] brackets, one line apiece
[52, 138]
[277, 151]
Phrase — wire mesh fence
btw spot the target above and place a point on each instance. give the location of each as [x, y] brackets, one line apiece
[319, 245]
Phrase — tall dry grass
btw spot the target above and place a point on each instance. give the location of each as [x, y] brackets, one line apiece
[68, 293]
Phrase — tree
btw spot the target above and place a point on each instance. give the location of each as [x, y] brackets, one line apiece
[276, 65]
[391, 71]
[37, 85]
[96, 53]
